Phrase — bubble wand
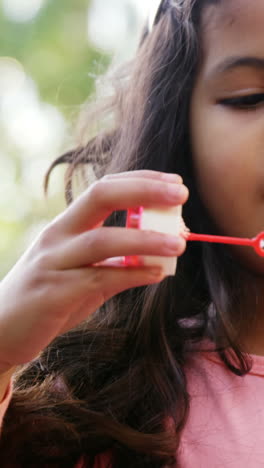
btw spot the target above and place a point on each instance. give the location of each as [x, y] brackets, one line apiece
[170, 221]
[256, 242]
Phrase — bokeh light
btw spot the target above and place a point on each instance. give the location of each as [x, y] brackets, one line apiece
[22, 10]
[108, 23]
[48, 66]
[115, 25]
[34, 127]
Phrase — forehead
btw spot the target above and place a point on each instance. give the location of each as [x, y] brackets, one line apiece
[233, 28]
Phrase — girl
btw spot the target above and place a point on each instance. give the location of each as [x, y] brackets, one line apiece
[103, 365]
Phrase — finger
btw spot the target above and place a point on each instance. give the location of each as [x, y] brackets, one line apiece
[108, 242]
[147, 174]
[104, 197]
[104, 283]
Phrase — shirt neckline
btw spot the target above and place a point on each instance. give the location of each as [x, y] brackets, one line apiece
[257, 362]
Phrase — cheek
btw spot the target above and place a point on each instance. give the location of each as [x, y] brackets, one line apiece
[225, 162]
[222, 150]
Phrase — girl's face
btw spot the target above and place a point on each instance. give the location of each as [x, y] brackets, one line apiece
[227, 121]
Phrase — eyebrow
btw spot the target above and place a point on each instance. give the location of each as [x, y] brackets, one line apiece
[231, 63]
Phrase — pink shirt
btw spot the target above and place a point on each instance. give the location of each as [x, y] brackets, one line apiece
[225, 428]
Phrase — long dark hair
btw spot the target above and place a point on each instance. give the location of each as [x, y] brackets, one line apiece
[113, 383]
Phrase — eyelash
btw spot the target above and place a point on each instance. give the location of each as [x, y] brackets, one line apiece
[245, 102]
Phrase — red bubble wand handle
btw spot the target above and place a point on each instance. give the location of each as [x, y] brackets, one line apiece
[134, 220]
[256, 242]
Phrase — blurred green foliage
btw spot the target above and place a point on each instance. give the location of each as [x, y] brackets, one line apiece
[55, 52]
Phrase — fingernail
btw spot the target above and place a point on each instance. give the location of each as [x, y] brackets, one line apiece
[176, 190]
[173, 178]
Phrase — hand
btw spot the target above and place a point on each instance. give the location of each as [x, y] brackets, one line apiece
[72, 268]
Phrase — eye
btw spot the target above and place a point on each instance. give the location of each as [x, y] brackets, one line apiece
[252, 101]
